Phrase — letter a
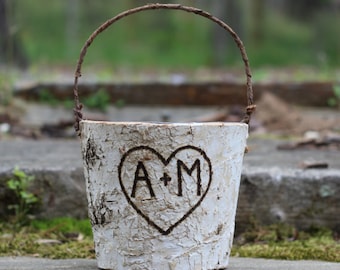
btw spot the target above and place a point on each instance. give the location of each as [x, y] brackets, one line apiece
[143, 177]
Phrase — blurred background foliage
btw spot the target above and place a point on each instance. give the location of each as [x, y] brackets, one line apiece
[275, 32]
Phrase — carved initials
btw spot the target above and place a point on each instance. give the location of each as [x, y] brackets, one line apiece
[141, 174]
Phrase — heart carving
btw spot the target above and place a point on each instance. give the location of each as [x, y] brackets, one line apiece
[165, 191]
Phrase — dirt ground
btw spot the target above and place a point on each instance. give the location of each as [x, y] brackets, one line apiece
[276, 116]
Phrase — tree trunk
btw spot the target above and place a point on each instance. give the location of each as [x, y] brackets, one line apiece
[72, 26]
[258, 20]
[4, 31]
[10, 49]
[222, 44]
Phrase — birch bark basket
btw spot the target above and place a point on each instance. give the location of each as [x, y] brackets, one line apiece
[162, 195]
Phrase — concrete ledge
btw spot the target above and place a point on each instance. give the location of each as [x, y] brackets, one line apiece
[296, 197]
[26, 263]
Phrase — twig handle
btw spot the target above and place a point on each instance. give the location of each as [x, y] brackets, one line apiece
[78, 106]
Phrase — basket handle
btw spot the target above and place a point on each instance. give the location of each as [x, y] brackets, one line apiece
[78, 106]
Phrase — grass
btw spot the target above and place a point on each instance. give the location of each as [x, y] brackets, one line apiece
[130, 41]
[99, 100]
[73, 239]
[63, 225]
[180, 41]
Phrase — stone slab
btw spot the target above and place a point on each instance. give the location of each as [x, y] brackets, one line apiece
[188, 93]
[58, 172]
[27, 263]
[273, 186]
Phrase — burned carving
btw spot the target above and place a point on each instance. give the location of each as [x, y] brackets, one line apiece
[143, 177]
[182, 179]
[180, 165]
[166, 179]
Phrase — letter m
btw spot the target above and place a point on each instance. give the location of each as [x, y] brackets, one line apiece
[197, 166]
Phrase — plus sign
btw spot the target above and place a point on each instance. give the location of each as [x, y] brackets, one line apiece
[165, 178]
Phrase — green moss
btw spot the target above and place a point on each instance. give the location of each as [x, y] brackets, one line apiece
[284, 242]
[297, 250]
[72, 239]
[25, 244]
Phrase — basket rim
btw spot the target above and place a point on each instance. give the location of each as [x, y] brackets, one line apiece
[163, 124]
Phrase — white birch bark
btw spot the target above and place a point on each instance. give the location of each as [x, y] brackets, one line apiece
[162, 196]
